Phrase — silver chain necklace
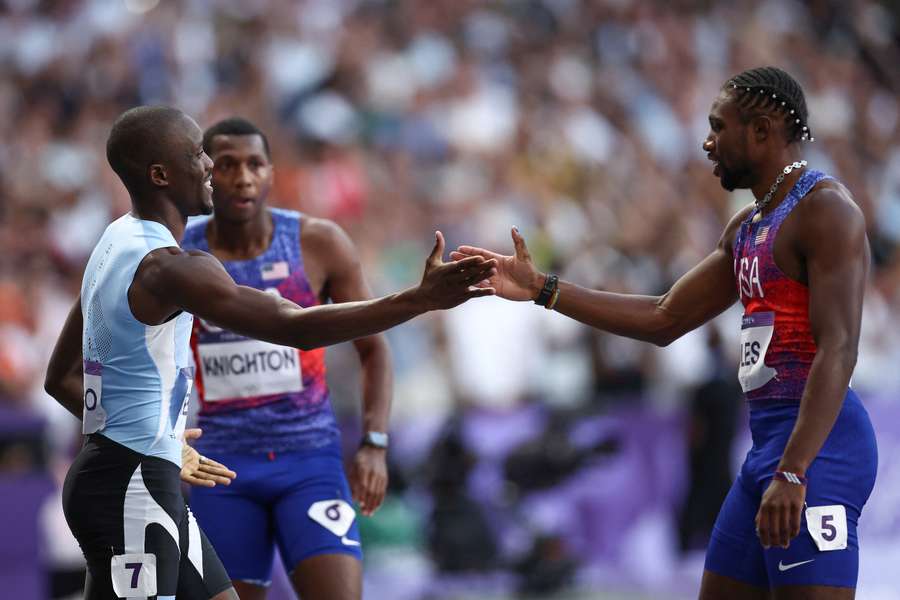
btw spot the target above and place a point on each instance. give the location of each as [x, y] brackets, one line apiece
[761, 204]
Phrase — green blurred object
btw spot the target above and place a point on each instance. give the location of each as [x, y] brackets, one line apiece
[395, 524]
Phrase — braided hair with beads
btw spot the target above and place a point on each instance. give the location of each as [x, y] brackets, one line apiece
[769, 90]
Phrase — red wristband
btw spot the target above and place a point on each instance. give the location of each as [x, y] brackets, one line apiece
[790, 477]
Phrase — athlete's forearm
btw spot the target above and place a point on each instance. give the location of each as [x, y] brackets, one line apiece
[329, 324]
[69, 392]
[698, 296]
[823, 397]
[377, 382]
[638, 317]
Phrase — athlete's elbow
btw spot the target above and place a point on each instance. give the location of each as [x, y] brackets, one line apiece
[842, 354]
[52, 386]
[307, 343]
[662, 341]
[308, 338]
[847, 355]
[664, 331]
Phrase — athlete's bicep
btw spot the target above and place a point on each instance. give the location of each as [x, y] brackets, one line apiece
[709, 288]
[837, 258]
[327, 246]
[346, 281]
[198, 283]
[702, 293]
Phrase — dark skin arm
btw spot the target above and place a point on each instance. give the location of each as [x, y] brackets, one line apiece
[330, 257]
[169, 280]
[698, 296]
[64, 379]
[833, 246]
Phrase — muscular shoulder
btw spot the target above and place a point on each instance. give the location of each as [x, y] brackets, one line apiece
[163, 267]
[326, 242]
[832, 200]
[828, 214]
[726, 242]
[320, 233]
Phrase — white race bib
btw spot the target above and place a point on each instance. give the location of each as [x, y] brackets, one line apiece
[93, 417]
[178, 430]
[334, 515]
[756, 335]
[828, 526]
[248, 368]
[134, 575]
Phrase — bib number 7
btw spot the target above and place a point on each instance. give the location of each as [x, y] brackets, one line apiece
[134, 575]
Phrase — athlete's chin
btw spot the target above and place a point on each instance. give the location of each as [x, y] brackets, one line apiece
[730, 181]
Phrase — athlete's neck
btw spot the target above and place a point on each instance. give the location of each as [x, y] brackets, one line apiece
[161, 211]
[244, 240]
[769, 174]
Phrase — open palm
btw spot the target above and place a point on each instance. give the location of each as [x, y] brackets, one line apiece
[516, 275]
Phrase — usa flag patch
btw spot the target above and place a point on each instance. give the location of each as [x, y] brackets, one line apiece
[761, 235]
[275, 270]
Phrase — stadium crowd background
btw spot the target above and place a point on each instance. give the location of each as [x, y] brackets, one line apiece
[529, 452]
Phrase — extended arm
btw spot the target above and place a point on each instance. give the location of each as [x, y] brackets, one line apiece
[698, 296]
[170, 280]
[64, 379]
[701, 294]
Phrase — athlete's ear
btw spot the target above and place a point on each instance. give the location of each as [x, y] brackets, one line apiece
[761, 126]
[158, 175]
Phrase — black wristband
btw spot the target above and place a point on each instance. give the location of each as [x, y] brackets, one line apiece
[550, 285]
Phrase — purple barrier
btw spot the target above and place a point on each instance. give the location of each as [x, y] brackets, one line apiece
[22, 573]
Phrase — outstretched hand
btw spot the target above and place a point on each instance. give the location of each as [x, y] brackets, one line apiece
[445, 285]
[516, 277]
[197, 469]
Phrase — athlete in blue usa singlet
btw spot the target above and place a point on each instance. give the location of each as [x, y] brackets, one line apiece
[265, 409]
[797, 259]
[777, 352]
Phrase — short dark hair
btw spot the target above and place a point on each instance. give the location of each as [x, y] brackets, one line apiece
[771, 90]
[139, 137]
[234, 126]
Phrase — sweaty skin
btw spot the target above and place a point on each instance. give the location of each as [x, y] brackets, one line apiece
[821, 244]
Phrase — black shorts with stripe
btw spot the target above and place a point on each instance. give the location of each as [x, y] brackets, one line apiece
[120, 502]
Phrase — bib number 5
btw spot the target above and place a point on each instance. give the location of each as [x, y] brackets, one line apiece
[828, 526]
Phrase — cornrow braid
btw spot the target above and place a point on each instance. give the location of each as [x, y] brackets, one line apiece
[770, 89]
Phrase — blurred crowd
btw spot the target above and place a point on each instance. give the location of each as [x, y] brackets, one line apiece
[579, 121]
